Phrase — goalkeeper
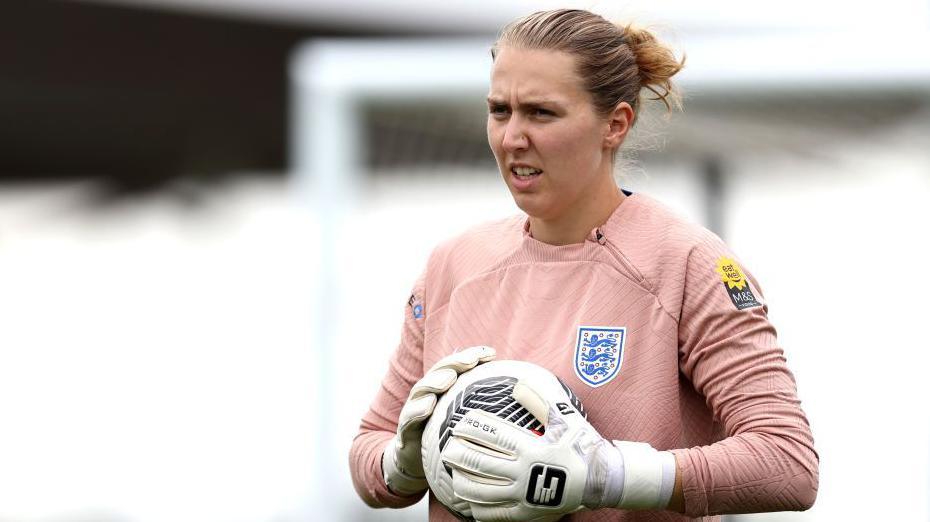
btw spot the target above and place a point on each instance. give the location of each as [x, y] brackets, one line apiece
[652, 320]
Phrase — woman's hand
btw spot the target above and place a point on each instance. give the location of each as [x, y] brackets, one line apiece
[401, 463]
[508, 473]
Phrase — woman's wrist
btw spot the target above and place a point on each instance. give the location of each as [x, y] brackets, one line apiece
[677, 502]
[648, 476]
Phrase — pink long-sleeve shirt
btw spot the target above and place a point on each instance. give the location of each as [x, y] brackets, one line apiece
[701, 372]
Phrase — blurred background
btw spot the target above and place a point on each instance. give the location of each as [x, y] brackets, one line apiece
[212, 213]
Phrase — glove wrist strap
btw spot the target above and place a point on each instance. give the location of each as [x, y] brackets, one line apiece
[648, 476]
[395, 478]
[614, 478]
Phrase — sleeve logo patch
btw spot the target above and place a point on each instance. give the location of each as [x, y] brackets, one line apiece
[416, 307]
[736, 284]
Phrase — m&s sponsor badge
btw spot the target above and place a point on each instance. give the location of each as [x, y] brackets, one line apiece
[736, 284]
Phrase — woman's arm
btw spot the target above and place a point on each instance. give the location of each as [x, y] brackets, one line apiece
[379, 424]
[729, 352]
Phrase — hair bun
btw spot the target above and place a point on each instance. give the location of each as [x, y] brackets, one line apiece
[656, 62]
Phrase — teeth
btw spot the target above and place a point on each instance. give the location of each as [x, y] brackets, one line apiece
[525, 171]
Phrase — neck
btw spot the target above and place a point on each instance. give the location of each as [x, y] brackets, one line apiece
[575, 226]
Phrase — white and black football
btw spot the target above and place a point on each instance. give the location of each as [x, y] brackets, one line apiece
[487, 387]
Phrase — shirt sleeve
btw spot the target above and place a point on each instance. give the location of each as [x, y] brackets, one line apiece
[379, 424]
[729, 351]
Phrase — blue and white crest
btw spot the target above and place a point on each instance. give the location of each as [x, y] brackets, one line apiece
[599, 353]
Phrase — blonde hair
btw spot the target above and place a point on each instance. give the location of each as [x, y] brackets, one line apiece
[615, 62]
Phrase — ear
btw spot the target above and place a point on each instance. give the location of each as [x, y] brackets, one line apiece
[618, 125]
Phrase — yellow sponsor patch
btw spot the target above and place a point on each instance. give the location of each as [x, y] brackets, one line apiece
[730, 273]
[736, 284]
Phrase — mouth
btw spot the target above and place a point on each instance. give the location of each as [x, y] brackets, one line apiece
[524, 178]
[525, 173]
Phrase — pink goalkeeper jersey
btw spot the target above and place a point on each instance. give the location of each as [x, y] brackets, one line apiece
[694, 365]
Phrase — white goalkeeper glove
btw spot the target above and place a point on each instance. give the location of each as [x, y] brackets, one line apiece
[508, 473]
[401, 462]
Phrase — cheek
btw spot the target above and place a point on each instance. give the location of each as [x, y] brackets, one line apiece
[579, 147]
[494, 140]
[567, 149]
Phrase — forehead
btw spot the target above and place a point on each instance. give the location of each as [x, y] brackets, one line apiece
[534, 73]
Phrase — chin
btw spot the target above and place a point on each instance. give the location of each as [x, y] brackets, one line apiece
[530, 205]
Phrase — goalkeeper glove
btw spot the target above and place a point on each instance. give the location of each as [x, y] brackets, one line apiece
[508, 473]
[401, 462]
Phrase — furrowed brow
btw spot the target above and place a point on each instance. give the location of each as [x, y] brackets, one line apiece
[531, 103]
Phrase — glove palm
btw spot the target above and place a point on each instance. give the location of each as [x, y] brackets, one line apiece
[508, 473]
[401, 462]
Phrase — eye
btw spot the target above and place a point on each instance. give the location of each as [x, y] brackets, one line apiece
[542, 112]
[497, 110]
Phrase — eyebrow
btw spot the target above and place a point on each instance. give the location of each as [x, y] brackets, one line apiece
[528, 103]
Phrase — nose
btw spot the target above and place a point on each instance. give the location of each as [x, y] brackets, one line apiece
[515, 135]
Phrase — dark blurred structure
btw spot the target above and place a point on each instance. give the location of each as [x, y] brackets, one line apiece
[139, 97]
[425, 136]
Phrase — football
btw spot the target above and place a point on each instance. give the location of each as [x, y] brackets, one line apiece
[488, 387]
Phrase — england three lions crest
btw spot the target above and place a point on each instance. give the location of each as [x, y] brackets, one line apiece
[599, 353]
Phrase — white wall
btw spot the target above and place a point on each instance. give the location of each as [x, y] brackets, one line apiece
[840, 248]
[156, 359]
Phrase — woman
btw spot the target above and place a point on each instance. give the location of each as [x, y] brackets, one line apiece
[693, 391]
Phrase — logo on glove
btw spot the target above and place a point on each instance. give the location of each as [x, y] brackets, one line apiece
[547, 483]
[480, 425]
[493, 395]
